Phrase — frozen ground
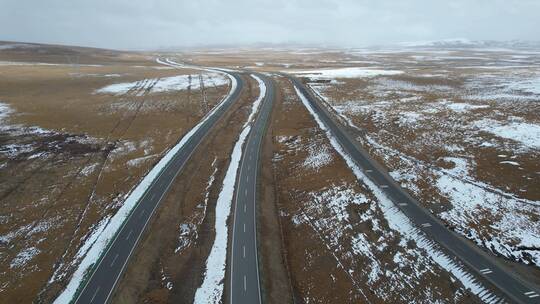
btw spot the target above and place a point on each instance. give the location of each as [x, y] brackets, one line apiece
[346, 73]
[168, 84]
[463, 139]
[427, 252]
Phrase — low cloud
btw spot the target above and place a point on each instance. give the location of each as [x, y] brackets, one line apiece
[168, 23]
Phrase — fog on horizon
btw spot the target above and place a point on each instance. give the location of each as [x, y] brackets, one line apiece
[137, 24]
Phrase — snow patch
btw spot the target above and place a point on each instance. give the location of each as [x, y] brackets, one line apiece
[318, 157]
[353, 72]
[464, 107]
[168, 84]
[24, 257]
[527, 134]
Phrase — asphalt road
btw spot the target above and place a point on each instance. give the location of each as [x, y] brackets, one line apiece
[244, 273]
[515, 289]
[109, 269]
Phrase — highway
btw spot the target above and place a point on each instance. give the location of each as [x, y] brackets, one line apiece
[109, 269]
[513, 288]
[243, 266]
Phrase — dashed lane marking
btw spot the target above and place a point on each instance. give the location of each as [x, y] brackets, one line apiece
[486, 271]
[402, 204]
[245, 283]
[531, 294]
[114, 260]
[244, 251]
[425, 225]
[95, 294]
[129, 234]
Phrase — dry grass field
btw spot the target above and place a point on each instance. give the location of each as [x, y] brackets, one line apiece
[75, 139]
[458, 128]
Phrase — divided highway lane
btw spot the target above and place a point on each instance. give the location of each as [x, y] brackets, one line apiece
[110, 267]
[512, 287]
[244, 271]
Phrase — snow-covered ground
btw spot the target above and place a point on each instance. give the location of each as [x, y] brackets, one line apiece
[211, 290]
[168, 84]
[526, 134]
[22, 140]
[436, 133]
[427, 258]
[106, 229]
[345, 73]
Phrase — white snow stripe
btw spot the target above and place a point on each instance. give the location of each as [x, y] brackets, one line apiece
[211, 290]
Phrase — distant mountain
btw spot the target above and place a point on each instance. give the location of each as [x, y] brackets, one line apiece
[466, 43]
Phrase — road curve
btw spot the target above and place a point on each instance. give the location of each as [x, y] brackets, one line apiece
[244, 272]
[109, 269]
[512, 287]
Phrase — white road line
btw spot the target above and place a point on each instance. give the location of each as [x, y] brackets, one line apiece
[425, 225]
[245, 207]
[247, 178]
[244, 251]
[369, 171]
[244, 227]
[95, 294]
[384, 186]
[129, 234]
[245, 289]
[531, 294]
[246, 192]
[114, 260]
[402, 204]
[486, 271]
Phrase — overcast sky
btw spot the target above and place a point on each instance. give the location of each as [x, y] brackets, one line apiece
[170, 23]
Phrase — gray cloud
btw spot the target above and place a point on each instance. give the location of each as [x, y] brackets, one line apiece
[164, 23]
